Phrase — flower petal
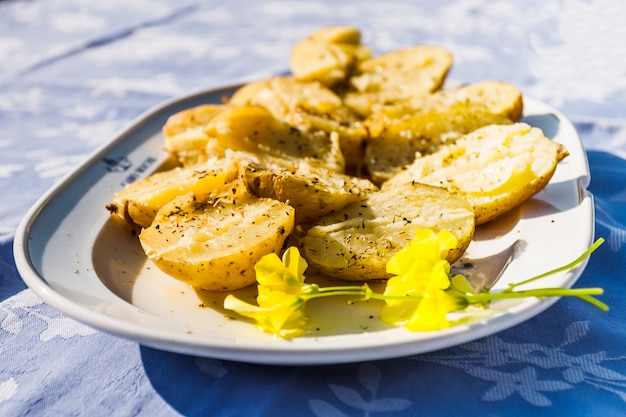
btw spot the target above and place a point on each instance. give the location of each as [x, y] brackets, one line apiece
[285, 319]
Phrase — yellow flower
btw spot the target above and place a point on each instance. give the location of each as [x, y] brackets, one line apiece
[422, 275]
[419, 296]
[283, 319]
[278, 278]
[280, 299]
[429, 313]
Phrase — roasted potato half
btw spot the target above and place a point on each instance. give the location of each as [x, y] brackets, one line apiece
[253, 129]
[495, 168]
[184, 133]
[309, 106]
[312, 192]
[356, 242]
[421, 134]
[213, 244]
[421, 125]
[397, 76]
[328, 55]
[139, 202]
[496, 97]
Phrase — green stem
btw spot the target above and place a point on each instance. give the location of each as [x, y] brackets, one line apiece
[594, 302]
[567, 267]
[342, 288]
[582, 293]
[334, 291]
[362, 294]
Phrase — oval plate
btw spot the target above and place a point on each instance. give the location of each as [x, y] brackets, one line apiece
[83, 262]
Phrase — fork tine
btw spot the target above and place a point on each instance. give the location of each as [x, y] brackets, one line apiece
[483, 273]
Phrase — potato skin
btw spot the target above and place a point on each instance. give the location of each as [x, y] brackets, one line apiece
[214, 244]
[355, 243]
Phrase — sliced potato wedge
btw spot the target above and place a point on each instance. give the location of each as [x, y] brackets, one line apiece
[312, 192]
[308, 106]
[496, 168]
[254, 129]
[184, 133]
[496, 97]
[421, 134]
[421, 125]
[328, 55]
[397, 76]
[214, 244]
[140, 201]
[356, 242]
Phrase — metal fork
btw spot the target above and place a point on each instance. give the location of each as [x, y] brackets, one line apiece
[483, 273]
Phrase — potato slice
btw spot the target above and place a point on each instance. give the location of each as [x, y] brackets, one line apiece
[312, 192]
[184, 133]
[328, 55]
[496, 97]
[139, 201]
[422, 125]
[421, 134]
[496, 168]
[291, 101]
[397, 76]
[255, 130]
[214, 244]
[308, 106]
[356, 242]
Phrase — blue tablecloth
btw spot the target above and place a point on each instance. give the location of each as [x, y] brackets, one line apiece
[72, 73]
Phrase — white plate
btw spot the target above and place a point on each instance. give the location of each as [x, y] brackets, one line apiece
[73, 255]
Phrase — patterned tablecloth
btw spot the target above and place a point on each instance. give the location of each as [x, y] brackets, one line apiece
[75, 72]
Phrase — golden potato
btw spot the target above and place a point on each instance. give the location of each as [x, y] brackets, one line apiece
[312, 192]
[213, 244]
[397, 76]
[308, 106]
[356, 242]
[253, 129]
[419, 126]
[495, 168]
[496, 97]
[139, 201]
[328, 55]
[421, 134]
[184, 133]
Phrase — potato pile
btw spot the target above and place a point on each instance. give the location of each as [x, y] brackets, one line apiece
[345, 159]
